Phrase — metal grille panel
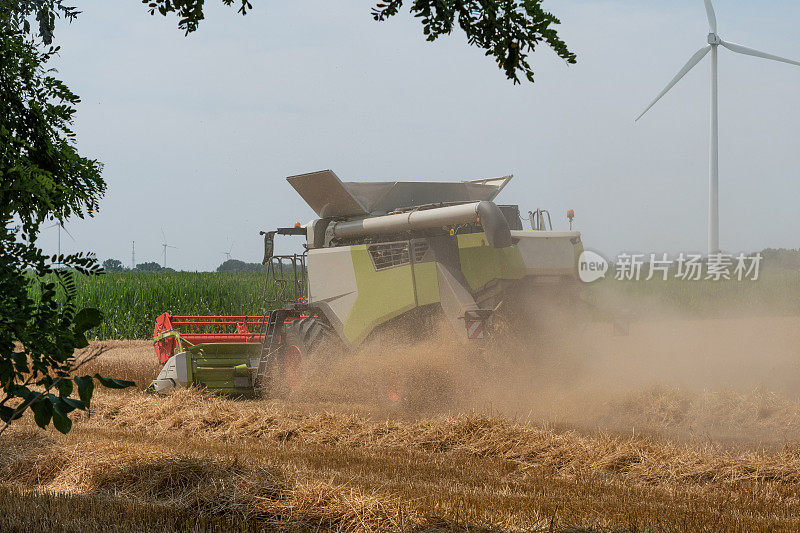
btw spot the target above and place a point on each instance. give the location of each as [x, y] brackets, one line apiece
[389, 255]
[394, 254]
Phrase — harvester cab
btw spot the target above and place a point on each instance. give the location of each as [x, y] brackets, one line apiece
[378, 253]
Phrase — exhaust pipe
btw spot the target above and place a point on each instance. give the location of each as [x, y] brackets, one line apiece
[486, 213]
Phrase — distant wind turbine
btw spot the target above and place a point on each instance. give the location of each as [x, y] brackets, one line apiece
[164, 245]
[228, 253]
[60, 226]
[714, 41]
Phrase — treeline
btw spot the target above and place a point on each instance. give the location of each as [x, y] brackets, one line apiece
[234, 266]
[781, 258]
[115, 265]
[231, 266]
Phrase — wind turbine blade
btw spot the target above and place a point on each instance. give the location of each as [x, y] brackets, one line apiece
[694, 60]
[738, 48]
[712, 17]
[68, 233]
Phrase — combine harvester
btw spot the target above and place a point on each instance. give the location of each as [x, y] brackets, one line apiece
[380, 255]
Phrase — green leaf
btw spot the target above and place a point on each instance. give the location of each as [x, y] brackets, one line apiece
[64, 388]
[42, 412]
[85, 388]
[74, 404]
[62, 404]
[20, 361]
[23, 392]
[7, 414]
[87, 319]
[81, 341]
[111, 383]
[60, 419]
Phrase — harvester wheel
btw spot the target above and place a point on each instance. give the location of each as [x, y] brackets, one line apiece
[292, 366]
[303, 340]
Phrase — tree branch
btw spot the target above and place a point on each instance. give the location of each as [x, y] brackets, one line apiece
[78, 362]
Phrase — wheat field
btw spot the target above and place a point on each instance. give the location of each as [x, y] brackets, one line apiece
[608, 449]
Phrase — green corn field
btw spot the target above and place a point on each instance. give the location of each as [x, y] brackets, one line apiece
[131, 301]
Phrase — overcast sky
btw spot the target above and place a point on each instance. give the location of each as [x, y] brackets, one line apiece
[198, 133]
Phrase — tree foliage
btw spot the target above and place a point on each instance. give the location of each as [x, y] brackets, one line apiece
[113, 265]
[152, 266]
[190, 12]
[234, 266]
[507, 30]
[45, 12]
[42, 177]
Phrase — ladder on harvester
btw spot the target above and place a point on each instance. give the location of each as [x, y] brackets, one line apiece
[285, 286]
[271, 344]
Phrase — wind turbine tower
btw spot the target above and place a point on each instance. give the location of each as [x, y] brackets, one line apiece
[164, 245]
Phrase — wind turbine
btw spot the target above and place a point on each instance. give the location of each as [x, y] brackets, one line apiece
[714, 42]
[228, 253]
[164, 245]
[60, 226]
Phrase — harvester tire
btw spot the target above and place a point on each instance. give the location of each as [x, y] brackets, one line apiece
[303, 339]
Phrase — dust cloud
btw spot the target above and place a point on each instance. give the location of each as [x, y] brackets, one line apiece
[730, 380]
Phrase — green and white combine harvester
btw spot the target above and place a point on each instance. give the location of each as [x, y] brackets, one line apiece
[381, 255]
